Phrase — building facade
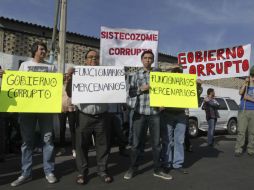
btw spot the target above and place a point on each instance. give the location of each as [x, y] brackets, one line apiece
[17, 37]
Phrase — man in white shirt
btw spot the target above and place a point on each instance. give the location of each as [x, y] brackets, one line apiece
[28, 122]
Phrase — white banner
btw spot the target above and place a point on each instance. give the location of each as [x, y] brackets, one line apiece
[217, 64]
[123, 47]
[98, 84]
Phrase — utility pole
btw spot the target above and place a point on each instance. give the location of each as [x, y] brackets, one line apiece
[53, 41]
[62, 37]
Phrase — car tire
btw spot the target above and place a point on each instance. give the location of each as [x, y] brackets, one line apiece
[232, 127]
[193, 128]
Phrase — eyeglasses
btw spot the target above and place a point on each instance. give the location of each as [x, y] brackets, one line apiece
[93, 57]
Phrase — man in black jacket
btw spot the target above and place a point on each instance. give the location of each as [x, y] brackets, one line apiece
[211, 109]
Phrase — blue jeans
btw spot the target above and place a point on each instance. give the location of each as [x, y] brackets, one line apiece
[28, 122]
[140, 126]
[173, 133]
[211, 128]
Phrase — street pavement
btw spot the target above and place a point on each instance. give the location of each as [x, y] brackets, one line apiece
[210, 168]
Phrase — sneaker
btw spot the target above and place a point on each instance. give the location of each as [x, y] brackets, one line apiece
[73, 153]
[51, 178]
[162, 175]
[60, 152]
[130, 173]
[21, 180]
[181, 170]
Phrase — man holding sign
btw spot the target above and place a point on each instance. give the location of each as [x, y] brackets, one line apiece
[91, 120]
[173, 124]
[28, 122]
[144, 117]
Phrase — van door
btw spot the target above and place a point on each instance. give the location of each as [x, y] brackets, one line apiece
[224, 114]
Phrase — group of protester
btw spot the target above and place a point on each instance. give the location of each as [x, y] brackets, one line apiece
[167, 126]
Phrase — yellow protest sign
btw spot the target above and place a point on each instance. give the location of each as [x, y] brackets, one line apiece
[35, 92]
[173, 90]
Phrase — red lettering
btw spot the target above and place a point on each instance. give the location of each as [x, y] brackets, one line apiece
[198, 56]
[245, 65]
[155, 38]
[190, 57]
[116, 34]
[181, 58]
[111, 51]
[219, 68]
[122, 51]
[237, 65]
[227, 64]
[117, 51]
[127, 36]
[111, 35]
[132, 36]
[200, 70]
[143, 37]
[210, 55]
[192, 69]
[138, 51]
[103, 34]
[240, 51]
[220, 53]
[128, 51]
[230, 54]
[122, 37]
[209, 67]
[205, 56]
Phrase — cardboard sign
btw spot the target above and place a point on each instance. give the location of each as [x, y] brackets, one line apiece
[35, 92]
[98, 84]
[216, 64]
[123, 47]
[173, 90]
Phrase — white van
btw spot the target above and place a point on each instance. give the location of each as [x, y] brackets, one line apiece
[228, 111]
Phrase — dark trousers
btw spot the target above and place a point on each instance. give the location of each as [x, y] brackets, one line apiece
[72, 125]
[116, 130]
[140, 126]
[88, 125]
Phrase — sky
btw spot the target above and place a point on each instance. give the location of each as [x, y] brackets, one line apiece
[183, 25]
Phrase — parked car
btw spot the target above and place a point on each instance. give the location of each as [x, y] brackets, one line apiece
[228, 111]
